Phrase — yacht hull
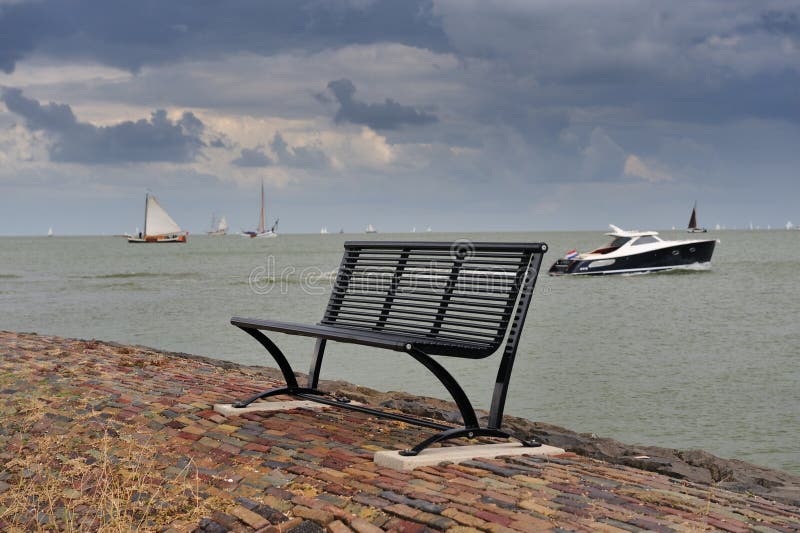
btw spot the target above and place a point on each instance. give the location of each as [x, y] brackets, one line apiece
[666, 258]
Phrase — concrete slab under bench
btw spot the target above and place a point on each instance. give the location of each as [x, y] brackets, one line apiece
[227, 409]
[458, 454]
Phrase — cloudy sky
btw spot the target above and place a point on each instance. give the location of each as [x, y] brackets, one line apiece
[458, 114]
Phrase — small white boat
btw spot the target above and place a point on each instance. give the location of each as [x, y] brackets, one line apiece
[323, 230]
[371, 229]
[262, 232]
[218, 228]
[50, 232]
[159, 227]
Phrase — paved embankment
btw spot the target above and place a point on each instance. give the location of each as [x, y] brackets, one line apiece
[98, 435]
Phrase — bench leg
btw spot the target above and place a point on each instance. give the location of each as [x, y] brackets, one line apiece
[292, 386]
[316, 363]
[469, 433]
[468, 415]
[277, 354]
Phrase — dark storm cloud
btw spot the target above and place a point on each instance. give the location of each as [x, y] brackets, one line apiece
[388, 115]
[158, 139]
[703, 62]
[252, 158]
[297, 156]
[130, 35]
[781, 22]
[309, 157]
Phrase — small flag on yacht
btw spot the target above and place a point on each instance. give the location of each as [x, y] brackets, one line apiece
[572, 254]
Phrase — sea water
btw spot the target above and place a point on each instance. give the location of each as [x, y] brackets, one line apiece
[688, 359]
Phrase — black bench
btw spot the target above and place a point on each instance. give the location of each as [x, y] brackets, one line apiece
[426, 299]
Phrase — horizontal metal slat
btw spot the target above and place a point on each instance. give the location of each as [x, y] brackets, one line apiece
[451, 307]
[422, 261]
[444, 333]
[434, 245]
[395, 315]
[413, 298]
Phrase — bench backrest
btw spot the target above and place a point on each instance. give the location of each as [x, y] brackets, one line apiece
[465, 293]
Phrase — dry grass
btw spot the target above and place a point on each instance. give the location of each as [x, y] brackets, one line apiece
[96, 475]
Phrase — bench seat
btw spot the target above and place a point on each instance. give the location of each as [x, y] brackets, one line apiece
[390, 341]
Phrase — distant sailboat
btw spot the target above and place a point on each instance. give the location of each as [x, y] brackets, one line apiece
[218, 228]
[50, 232]
[323, 230]
[158, 225]
[371, 229]
[262, 232]
[789, 225]
[428, 229]
[414, 229]
[693, 228]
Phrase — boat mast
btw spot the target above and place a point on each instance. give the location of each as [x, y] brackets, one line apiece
[261, 223]
[146, 203]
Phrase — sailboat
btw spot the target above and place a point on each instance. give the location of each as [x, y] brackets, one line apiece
[158, 225]
[371, 229]
[262, 232]
[218, 228]
[692, 228]
[50, 232]
[323, 230]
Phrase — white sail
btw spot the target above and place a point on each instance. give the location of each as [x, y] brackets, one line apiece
[223, 224]
[157, 221]
[50, 232]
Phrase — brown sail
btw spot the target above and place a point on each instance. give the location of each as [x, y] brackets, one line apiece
[693, 222]
[693, 218]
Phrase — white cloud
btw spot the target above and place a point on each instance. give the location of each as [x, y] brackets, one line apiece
[635, 167]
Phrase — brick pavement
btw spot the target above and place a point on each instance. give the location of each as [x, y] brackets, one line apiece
[75, 407]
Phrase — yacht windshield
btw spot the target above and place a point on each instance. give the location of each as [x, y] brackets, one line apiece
[613, 245]
[646, 239]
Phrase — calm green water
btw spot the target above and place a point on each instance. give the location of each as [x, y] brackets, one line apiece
[690, 359]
